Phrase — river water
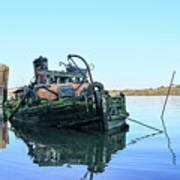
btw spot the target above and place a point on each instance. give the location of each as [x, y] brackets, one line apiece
[135, 153]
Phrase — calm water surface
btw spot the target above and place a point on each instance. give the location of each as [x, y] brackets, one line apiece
[137, 153]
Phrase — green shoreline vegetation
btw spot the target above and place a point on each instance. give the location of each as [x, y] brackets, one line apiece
[160, 91]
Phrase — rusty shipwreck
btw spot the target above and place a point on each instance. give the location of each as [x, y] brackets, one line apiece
[65, 98]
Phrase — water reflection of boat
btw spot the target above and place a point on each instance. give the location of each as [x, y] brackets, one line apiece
[4, 137]
[57, 147]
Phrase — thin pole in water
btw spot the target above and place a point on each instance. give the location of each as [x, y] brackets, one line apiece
[168, 92]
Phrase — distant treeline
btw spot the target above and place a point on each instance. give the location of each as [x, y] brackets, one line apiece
[160, 91]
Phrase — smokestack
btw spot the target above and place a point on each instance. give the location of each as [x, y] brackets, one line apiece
[40, 67]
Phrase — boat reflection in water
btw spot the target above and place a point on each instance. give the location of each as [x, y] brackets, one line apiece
[57, 147]
[4, 136]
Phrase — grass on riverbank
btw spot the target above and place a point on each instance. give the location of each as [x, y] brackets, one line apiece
[160, 91]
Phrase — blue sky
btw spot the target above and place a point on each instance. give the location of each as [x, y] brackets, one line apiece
[133, 43]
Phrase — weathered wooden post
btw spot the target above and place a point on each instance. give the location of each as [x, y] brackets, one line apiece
[4, 74]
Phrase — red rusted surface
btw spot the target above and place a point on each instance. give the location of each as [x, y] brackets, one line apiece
[44, 94]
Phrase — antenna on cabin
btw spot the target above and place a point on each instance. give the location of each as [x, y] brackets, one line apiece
[168, 93]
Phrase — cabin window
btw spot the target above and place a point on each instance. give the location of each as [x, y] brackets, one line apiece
[67, 80]
[58, 80]
[73, 79]
[77, 79]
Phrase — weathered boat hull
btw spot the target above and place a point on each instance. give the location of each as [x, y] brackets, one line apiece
[55, 116]
[67, 118]
[70, 112]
